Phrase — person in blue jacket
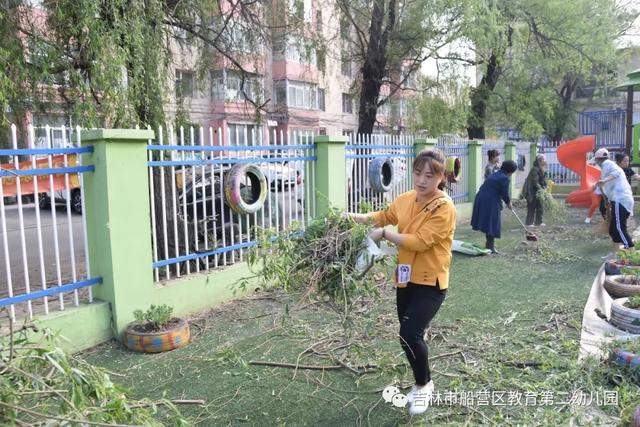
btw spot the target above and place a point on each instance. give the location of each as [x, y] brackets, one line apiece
[487, 205]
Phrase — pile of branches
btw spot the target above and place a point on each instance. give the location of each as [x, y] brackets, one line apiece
[41, 384]
[318, 260]
[552, 208]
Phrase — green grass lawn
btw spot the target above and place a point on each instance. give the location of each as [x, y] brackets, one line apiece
[524, 306]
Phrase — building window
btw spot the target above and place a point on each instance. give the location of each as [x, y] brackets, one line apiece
[243, 134]
[344, 28]
[280, 89]
[322, 131]
[184, 84]
[227, 85]
[319, 21]
[347, 103]
[345, 64]
[321, 100]
[302, 95]
[295, 50]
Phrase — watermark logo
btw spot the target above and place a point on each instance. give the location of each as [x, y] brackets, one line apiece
[391, 394]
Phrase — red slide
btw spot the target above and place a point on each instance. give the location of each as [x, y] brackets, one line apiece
[573, 155]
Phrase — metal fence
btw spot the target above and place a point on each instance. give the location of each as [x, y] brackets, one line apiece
[556, 172]
[458, 191]
[609, 127]
[43, 246]
[194, 229]
[360, 152]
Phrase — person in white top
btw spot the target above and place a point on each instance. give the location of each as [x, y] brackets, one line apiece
[616, 188]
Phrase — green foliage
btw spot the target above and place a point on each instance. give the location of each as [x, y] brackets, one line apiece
[634, 301]
[41, 383]
[440, 111]
[318, 260]
[628, 257]
[157, 316]
[533, 55]
[552, 208]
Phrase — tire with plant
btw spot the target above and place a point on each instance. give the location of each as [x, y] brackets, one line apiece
[624, 357]
[622, 285]
[155, 331]
[381, 174]
[625, 314]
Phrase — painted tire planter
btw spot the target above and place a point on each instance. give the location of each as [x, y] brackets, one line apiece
[176, 336]
[233, 188]
[617, 287]
[625, 358]
[453, 169]
[381, 174]
[621, 265]
[623, 317]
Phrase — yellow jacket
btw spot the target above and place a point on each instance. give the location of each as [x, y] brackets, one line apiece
[429, 228]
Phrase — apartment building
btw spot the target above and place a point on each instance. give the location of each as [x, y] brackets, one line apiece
[301, 89]
[304, 90]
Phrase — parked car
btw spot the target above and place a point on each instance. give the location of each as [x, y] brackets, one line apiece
[60, 196]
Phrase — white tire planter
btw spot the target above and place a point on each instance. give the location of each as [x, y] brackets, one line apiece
[623, 317]
[618, 289]
[381, 174]
[233, 188]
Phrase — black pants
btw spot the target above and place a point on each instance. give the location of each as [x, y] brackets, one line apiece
[618, 226]
[417, 305]
[534, 212]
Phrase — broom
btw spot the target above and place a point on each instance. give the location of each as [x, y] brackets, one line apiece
[528, 234]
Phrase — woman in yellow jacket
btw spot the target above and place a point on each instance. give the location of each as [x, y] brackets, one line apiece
[426, 219]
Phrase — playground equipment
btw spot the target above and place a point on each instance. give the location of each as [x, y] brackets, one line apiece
[573, 155]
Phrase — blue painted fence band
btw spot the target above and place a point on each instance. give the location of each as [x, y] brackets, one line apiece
[373, 156]
[51, 291]
[227, 161]
[55, 171]
[39, 151]
[228, 148]
[369, 147]
[202, 254]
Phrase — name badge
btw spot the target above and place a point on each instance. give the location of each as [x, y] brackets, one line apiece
[403, 273]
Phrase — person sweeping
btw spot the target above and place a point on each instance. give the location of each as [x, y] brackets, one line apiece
[487, 205]
[532, 185]
[616, 188]
[426, 220]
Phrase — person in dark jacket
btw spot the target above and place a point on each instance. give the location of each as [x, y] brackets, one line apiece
[623, 161]
[487, 206]
[535, 182]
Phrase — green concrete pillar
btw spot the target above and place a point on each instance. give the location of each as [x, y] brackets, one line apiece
[118, 223]
[510, 154]
[331, 176]
[424, 144]
[475, 173]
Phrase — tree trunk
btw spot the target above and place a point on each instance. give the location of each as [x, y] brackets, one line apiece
[563, 112]
[480, 97]
[375, 64]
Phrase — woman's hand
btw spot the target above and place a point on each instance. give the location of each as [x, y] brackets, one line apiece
[510, 206]
[376, 234]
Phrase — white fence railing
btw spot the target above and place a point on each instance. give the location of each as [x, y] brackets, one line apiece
[459, 190]
[43, 248]
[194, 228]
[361, 151]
